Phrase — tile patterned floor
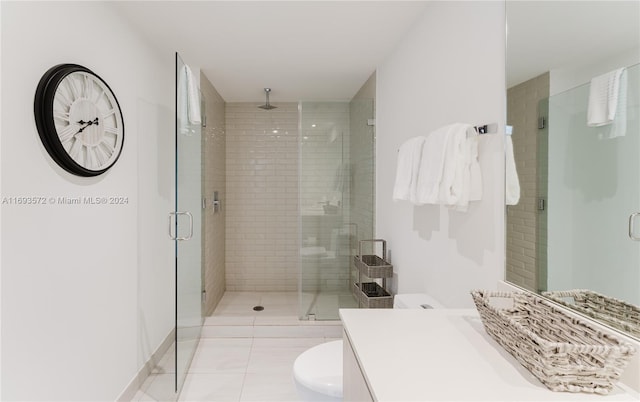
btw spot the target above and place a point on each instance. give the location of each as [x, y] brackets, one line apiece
[244, 355]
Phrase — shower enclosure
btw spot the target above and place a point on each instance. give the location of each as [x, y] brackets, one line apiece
[336, 201]
[185, 226]
[593, 196]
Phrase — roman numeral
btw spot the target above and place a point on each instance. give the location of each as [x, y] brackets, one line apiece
[71, 86]
[111, 130]
[67, 133]
[62, 98]
[64, 116]
[100, 155]
[89, 160]
[87, 86]
[75, 150]
[107, 148]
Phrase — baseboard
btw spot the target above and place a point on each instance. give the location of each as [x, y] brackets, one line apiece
[139, 379]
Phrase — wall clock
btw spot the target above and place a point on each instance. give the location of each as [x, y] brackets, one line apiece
[79, 120]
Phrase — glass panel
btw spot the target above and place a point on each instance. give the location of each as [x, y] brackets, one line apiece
[594, 186]
[324, 207]
[336, 201]
[187, 226]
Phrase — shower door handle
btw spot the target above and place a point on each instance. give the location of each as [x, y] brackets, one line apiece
[175, 237]
[632, 219]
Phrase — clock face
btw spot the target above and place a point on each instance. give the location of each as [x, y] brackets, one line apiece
[79, 120]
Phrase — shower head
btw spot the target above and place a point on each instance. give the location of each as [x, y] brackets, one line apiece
[267, 105]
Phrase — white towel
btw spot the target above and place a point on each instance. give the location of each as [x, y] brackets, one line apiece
[468, 186]
[619, 126]
[189, 96]
[512, 184]
[475, 187]
[454, 186]
[604, 95]
[432, 166]
[409, 156]
[449, 170]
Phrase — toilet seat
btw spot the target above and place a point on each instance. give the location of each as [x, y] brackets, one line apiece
[320, 369]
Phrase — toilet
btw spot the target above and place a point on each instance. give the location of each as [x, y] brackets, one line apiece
[318, 371]
[415, 300]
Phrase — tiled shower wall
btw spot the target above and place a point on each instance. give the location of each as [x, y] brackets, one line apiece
[214, 179]
[262, 197]
[522, 114]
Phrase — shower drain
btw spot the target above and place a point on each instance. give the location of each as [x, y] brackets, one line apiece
[258, 308]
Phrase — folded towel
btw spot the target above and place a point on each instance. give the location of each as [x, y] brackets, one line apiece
[409, 156]
[454, 186]
[604, 94]
[512, 184]
[468, 186]
[189, 96]
[475, 187]
[445, 169]
[619, 126]
[432, 166]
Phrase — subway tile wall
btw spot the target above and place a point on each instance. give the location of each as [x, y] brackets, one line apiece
[522, 114]
[261, 206]
[214, 179]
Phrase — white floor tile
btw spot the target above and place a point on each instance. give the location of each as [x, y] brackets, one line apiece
[288, 331]
[212, 387]
[285, 343]
[269, 387]
[227, 331]
[278, 355]
[247, 355]
[218, 320]
[221, 355]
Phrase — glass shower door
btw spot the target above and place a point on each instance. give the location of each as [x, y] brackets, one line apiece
[594, 187]
[186, 224]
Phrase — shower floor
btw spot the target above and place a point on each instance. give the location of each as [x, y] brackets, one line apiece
[278, 307]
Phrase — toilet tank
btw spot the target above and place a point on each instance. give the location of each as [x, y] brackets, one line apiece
[415, 300]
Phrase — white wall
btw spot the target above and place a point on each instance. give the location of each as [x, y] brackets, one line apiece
[567, 77]
[449, 68]
[87, 291]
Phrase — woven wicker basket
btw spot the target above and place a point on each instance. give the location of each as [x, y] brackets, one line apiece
[373, 266]
[564, 353]
[617, 313]
[372, 295]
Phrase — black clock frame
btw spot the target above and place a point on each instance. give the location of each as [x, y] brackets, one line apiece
[43, 111]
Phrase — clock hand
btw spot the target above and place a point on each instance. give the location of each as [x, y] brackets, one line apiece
[88, 123]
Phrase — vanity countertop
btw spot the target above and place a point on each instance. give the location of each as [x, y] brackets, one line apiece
[443, 355]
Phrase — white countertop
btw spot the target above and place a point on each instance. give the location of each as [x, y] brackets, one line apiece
[444, 355]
